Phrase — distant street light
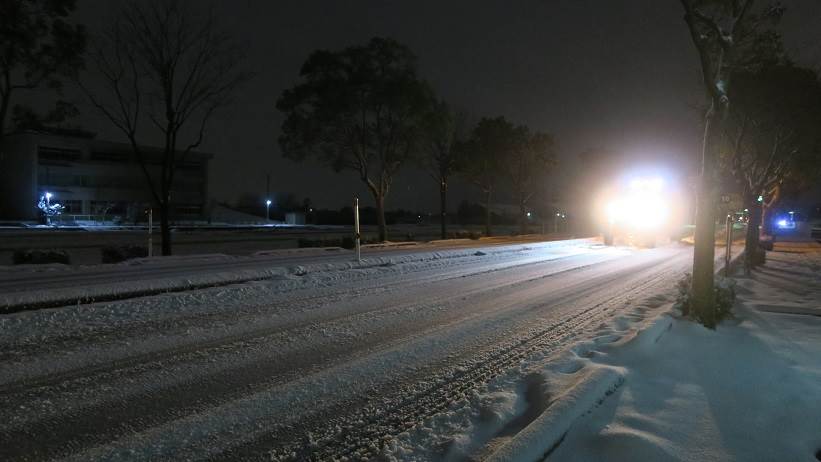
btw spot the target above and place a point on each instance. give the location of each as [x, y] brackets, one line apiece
[268, 209]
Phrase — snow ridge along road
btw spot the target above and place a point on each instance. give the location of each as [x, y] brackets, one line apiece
[49, 286]
[327, 361]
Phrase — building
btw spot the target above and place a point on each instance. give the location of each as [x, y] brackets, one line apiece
[295, 218]
[94, 180]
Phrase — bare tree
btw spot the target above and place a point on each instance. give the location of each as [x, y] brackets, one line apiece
[713, 25]
[772, 135]
[166, 68]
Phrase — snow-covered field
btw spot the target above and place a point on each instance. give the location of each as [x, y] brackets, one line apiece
[442, 354]
[750, 390]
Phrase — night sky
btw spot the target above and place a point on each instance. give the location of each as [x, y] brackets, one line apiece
[618, 75]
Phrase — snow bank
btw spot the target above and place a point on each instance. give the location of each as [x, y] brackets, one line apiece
[750, 390]
[547, 430]
[38, 298]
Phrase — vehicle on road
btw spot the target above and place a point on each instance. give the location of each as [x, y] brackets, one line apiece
[639, 211]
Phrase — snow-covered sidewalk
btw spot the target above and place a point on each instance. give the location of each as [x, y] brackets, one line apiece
[750, 390]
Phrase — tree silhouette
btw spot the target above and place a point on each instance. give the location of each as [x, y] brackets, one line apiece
[772, 135]
[443, 153]
[491, 144]
[38, 47]
[717, 29]
[357, 109]
[527, 166]
[167, 66]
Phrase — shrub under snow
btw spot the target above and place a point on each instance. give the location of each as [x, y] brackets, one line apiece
[724, 297]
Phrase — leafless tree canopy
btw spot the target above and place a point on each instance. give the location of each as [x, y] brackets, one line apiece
[164, 63]
[166, 67]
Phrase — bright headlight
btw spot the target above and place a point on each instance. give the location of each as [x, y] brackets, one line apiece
[637, 211]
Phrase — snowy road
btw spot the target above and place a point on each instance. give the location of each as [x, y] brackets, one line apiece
[46, 286]
[313, 364]
[16, 285]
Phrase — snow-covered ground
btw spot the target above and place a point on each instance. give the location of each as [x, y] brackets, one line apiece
[750, 390]
[442, 354]
[25, 287]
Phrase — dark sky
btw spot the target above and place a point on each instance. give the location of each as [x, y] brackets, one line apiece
[620, 75]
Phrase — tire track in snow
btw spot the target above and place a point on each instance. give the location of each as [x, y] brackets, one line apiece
[364, 432]
[113, 419]
[331, 295]
[446, 265]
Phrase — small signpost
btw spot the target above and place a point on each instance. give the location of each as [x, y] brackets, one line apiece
[356, 235]
[150, 228]
[729, 253]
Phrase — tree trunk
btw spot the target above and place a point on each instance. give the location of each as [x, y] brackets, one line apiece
[752, 248]
[4, 110]
[767, 211]
[380, 217]
[704, 250]
[165, 227]
[443, 204]
[487, 213]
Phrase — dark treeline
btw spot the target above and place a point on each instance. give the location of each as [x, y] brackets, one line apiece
[467, 213]
[365, 109]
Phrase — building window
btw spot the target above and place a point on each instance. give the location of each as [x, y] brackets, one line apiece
[47, 178]
[188, 209]
[111, 156]
[189, 167]
[109, 207]
[73, 207]
[58, 154]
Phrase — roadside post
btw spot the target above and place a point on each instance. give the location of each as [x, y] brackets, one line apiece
[150, 228]
[729, 253]
[356, 235]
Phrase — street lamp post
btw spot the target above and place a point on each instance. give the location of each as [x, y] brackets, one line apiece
[48, 208]
[268, 210]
